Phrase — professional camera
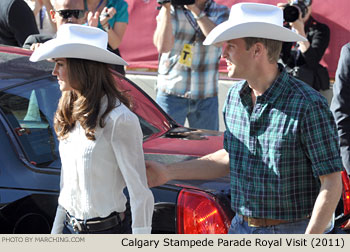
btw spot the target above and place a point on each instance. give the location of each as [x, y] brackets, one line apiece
[176, 2]
[291, 11]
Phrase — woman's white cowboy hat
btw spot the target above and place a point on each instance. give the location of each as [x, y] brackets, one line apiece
[78, 41]
[253, 20]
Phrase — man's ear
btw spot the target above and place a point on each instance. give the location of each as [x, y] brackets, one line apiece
[258, 49]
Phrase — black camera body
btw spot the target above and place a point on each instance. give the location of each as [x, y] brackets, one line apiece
[176, 2]
[291, 11]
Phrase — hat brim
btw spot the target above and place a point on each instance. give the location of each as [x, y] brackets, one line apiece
[226, 31]
[53, 49]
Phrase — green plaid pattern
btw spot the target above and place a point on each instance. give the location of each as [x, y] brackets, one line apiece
[279, 148]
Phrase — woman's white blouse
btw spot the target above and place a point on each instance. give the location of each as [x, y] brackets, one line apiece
[94, 173]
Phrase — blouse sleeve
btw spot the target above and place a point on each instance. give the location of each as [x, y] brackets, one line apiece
[127, 146]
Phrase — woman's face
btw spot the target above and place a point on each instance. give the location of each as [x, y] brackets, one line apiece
[61, 72]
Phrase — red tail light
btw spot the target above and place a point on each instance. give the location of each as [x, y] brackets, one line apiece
[346, 192]
[199, 213]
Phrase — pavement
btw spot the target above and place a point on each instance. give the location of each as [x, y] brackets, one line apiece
[147, 81]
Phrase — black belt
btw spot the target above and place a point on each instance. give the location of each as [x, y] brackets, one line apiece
[95, 224]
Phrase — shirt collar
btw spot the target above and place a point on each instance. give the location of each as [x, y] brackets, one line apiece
[273, 92]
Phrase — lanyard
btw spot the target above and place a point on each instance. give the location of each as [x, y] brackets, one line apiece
[193, 22]
[98, 6]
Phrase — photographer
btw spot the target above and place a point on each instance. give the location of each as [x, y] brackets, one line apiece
[302, 58]
[188, 71]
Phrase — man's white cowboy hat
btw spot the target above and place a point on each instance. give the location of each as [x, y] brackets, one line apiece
[253, 20]
[78, 41]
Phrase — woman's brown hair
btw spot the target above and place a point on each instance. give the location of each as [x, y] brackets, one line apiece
[91, 81]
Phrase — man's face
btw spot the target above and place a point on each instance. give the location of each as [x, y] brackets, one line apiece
[63, 12]
[238, 58]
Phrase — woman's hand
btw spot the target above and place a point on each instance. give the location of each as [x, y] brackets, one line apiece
[106, 14]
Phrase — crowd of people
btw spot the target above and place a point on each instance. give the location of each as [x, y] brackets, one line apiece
[284, 148]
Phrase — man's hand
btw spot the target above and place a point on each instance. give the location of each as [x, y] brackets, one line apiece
[35, 46]
[298, 24]
[156, 173]
[193, 8]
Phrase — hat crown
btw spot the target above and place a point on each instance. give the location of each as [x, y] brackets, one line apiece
[82, 34]
[250, 12]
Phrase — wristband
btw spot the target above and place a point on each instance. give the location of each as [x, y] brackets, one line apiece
[201, 14]
[106, 27]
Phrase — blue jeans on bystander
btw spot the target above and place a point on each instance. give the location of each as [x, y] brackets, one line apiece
[200, 113]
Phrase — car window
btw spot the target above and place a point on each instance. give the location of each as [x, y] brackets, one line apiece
[29, 110]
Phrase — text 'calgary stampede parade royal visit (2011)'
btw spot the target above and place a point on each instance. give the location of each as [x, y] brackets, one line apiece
[243, 242]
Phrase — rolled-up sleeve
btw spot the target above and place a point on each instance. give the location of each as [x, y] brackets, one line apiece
[321, 139]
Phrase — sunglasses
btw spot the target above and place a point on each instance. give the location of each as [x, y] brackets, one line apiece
[65, 14]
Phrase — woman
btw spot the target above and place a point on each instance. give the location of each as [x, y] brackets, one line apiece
[111, 16]
[100, 138]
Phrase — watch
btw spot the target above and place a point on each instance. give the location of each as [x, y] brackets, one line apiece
[106, 27]
[201, 14]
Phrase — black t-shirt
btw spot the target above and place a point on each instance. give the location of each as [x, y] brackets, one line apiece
[17, 22]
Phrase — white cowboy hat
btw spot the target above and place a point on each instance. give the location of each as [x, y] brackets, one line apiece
[253, 20]
[78, 41]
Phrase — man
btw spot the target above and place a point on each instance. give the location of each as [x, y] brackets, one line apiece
[17, 22]
[303, 58]
[280, 143]
[188, 71]
[340, 106]
[65, 11]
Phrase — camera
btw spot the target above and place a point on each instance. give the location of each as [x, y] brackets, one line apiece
[176, 2]
[291, 11]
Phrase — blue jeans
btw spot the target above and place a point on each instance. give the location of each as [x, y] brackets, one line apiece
[239, 226]
[201, 113]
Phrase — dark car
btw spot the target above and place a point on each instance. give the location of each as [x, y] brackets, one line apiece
[30, 162]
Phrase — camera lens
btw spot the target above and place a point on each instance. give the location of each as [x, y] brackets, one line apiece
[290, 13]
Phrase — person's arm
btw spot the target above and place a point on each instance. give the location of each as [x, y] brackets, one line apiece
[25, 26]
[127, 146]
[326, 202]
[58, 224]
[313, 49]
[299, 27]
[204, 23]
[340, 104]
[211, 166]
[115, 30]
[319, 137]
[49, 7]
[163, 37]
[116, 34]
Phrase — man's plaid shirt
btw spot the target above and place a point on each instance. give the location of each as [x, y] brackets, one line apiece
[201, 79]
[278, 148]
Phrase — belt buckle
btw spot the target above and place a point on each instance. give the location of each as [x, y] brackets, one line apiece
[250, 222]
[75, 224]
